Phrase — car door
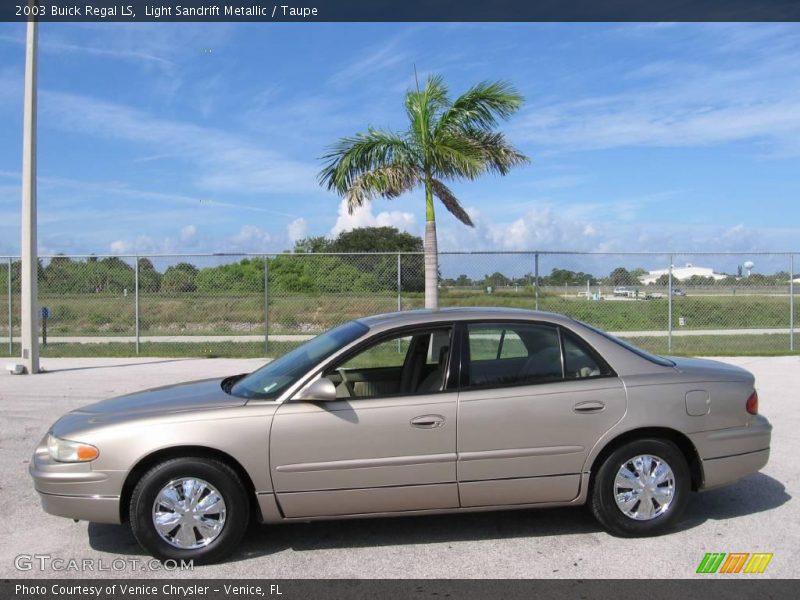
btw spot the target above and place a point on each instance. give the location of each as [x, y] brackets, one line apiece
[534, 400]
[386, 444]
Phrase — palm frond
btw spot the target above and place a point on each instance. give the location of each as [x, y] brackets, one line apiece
[497, 153]
[456, 157]
[353, 156]
[481, 107]
[424, 108]
[470, 154]
[390, 182]
[450, 202]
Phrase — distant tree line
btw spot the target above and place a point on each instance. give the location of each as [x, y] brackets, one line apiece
[349, 264]
[287, 272]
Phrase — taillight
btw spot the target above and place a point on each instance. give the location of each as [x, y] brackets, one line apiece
[752, 403]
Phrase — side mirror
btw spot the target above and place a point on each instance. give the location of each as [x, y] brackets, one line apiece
[322, 390]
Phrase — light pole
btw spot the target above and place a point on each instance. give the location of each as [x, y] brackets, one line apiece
[29, 254]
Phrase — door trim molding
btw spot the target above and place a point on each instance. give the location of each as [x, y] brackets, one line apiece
[519, 452]
[366, 463]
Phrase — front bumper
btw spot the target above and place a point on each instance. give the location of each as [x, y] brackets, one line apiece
[74, 490]
[97, 509]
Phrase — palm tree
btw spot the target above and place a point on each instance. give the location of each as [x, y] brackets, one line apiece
[445, 140]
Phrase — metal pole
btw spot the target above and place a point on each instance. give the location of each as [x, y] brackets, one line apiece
[29, 262]
[136, 302]
[399, 285]
[266, 304]
[791, 303]
[536, 279]
[399, 298]
[10, 311]
[669, 306]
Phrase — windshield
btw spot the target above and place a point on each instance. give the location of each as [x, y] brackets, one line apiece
[274, 377]
[659, 360]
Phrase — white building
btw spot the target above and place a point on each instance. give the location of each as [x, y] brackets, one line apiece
[681, 273]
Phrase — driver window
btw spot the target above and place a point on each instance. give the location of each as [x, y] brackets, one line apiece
[390, 353]
[404, 365]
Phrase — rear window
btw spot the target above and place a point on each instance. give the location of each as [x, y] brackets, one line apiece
[654, 358]
[513, 354]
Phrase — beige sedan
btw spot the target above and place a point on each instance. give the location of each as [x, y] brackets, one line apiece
[417, 412]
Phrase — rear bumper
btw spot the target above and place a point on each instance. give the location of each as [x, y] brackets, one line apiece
[728, 469]
[729, 454]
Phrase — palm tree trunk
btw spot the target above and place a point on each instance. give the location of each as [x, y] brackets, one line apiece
[431, 253]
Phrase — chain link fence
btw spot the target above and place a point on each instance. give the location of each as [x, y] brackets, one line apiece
[263, 305]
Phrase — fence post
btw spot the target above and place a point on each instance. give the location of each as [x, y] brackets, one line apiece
[136, 301]
[266, 304]
[399, 284]
[536, 279]
[10, 311]
[791, 303]
[669, 305]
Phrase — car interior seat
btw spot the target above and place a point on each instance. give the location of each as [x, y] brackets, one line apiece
[435, 379]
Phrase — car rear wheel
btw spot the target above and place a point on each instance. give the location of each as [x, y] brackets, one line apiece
[641, 488]
[191, 509]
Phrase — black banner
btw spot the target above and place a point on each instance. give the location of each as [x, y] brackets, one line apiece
[734, 588]
[399, 10]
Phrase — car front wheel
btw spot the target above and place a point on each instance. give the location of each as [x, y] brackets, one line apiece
[641, 488]
[189, 509]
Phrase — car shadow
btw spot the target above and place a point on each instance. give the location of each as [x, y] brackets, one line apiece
[135, 364]
[754, 494]
[750, 495]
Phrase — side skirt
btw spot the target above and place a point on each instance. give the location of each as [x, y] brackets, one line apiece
[272, 514]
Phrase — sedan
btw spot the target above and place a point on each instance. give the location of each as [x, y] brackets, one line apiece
[410, 413]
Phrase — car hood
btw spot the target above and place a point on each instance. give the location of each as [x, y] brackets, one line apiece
[705, 368]
[182, 397]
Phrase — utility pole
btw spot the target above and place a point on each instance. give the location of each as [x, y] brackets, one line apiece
[30, 261]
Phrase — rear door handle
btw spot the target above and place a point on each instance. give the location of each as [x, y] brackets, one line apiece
[588, 407]
[428, 421]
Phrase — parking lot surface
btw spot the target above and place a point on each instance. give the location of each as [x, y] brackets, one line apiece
[759, 514]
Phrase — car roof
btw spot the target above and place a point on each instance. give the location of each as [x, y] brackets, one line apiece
[461, 313]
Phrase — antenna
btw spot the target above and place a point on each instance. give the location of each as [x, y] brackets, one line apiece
[416, 79]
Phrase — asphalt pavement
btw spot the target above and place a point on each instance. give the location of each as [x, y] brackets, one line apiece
[761, 513]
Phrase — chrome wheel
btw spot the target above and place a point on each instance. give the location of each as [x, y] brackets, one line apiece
[644, 487]
[189, 513]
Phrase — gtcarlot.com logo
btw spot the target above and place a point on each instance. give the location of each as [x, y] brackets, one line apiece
[735, 562]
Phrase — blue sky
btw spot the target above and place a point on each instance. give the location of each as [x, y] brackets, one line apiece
[207, 137]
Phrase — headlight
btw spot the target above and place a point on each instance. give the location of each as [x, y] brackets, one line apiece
[69, 451]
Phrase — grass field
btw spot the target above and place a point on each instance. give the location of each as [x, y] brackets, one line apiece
[98, 314]
[729, 345]
[195, 314]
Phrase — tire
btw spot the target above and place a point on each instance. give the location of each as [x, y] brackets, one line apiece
[642, 519]
[227, 520]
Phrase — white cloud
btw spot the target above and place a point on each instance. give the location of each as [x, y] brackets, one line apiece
[223, 162]
[145, 244]
[120, 247]
[377, 59]
[363, 216]
[297, 229]
[188, 233]
[548, 228]
[251, 239]
[745, 89]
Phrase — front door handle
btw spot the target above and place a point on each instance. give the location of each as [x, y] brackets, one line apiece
[588, 407]
[428, 421]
